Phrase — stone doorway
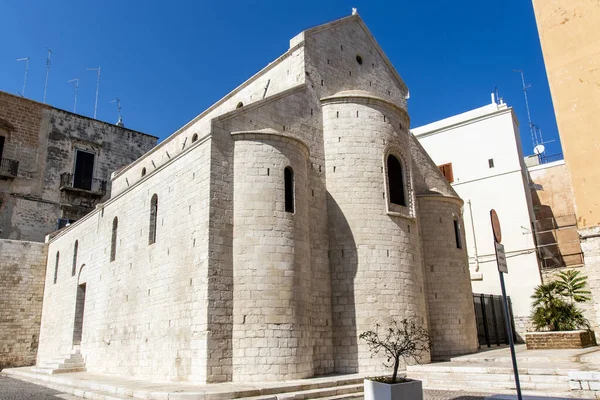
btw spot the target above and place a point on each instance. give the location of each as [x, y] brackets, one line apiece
[79, 311]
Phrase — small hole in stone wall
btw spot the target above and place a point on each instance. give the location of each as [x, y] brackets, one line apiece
[400, 126]
[194, 137]
[313, 193]
[321, 82]
[388, 253]
[370, 83]
[319, 168]
[312, 166]
[143, 171]
[389, 93]
[333, 169]
[357, 114]
[440, 220]
[327, 61]
[337, 114]
[341, 47]
[350, 73]
[359, 59]
[342, 253]
[268, 171]
[189, 209]
[431, 268]
[190, 281]
[194, 244]
[284, 128]
[148, 292]
[339, 139]
[240, 104]
[311, 111]
[384, 118]
[435, 294]
[130, 266]
[193, 175]
[244, 320]
[384, 195]
[288, 72]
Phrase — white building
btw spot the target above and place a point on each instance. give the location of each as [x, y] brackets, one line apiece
[479, 151]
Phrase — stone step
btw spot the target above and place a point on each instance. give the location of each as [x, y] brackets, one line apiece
[331, 392]
[61, 370]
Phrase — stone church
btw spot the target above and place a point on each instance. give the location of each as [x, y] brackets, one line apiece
[259, 240]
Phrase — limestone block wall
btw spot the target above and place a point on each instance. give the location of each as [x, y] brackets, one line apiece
[375, 257]
[271, 260]
[452, 318]
[145, 312]
[22, 266]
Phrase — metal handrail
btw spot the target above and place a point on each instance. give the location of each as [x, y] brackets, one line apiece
[94, 185]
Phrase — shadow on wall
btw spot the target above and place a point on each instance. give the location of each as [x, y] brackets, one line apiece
[344, 264]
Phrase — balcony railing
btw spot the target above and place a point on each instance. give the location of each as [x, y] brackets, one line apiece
[86, 184]
[9, 167]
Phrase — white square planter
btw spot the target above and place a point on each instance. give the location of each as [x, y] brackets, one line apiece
[411, 390]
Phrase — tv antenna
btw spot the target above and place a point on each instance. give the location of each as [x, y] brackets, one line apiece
[97, 89]
[26, 59]
[120, 120]
[532, 131]
[47, 72]
[76, 80]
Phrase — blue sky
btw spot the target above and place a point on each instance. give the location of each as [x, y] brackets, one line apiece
[168, 61]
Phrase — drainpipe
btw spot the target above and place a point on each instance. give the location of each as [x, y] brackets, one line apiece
[474, 237]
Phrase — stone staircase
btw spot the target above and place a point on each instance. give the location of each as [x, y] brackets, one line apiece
[103, 387]
[73, 362]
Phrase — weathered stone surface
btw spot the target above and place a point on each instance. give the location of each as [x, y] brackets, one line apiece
[236, 287]
[560, 340]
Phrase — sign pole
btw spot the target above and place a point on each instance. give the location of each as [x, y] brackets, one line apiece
[502, 269]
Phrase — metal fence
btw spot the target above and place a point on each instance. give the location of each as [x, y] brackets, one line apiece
[93, 185]
[491, 325]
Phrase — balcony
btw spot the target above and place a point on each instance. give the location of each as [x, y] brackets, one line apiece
[9, 168]
[72, 183]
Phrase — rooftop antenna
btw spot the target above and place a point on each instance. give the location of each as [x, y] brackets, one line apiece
[531, 127]
[26, 59]
[97, 89]
[120, 121]
[76, 80]
[47, 72]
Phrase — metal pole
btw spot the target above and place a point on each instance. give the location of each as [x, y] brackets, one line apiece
[47, 72]
[26, 59]
[97, 89]
[510, 337]
[474, 236]
[76, 80]
[531, 129]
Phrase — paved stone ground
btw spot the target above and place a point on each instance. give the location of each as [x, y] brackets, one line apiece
[449, 395]
[14, 389]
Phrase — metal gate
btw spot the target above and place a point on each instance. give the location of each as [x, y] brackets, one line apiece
[491, 325]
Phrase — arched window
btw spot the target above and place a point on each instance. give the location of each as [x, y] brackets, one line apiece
[239, 105]
[457, 234]
[75, 248]
[143, 172]
[113, 241]
[56, 267]
[396, 181]
[194, 137]
[288, 175]
[153, 214]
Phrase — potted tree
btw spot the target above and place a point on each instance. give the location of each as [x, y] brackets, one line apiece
[402, 340]
[556, 318]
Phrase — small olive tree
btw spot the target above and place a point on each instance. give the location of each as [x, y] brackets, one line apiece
[404, 340]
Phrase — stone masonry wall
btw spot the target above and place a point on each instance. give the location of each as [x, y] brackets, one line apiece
[451, 315]
[271, 261]
[145, 312]
[22, 266]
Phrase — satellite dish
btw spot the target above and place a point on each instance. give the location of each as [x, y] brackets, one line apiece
[539, 149]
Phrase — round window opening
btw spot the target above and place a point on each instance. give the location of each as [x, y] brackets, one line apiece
[359, 59]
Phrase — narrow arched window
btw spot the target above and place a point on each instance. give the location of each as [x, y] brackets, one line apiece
[56, 267]
[74, 267]
[113, 241]
[457, 234]
[288, 175]
[396, 181]
[153, 215]
[143, 172]
[194, 137]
